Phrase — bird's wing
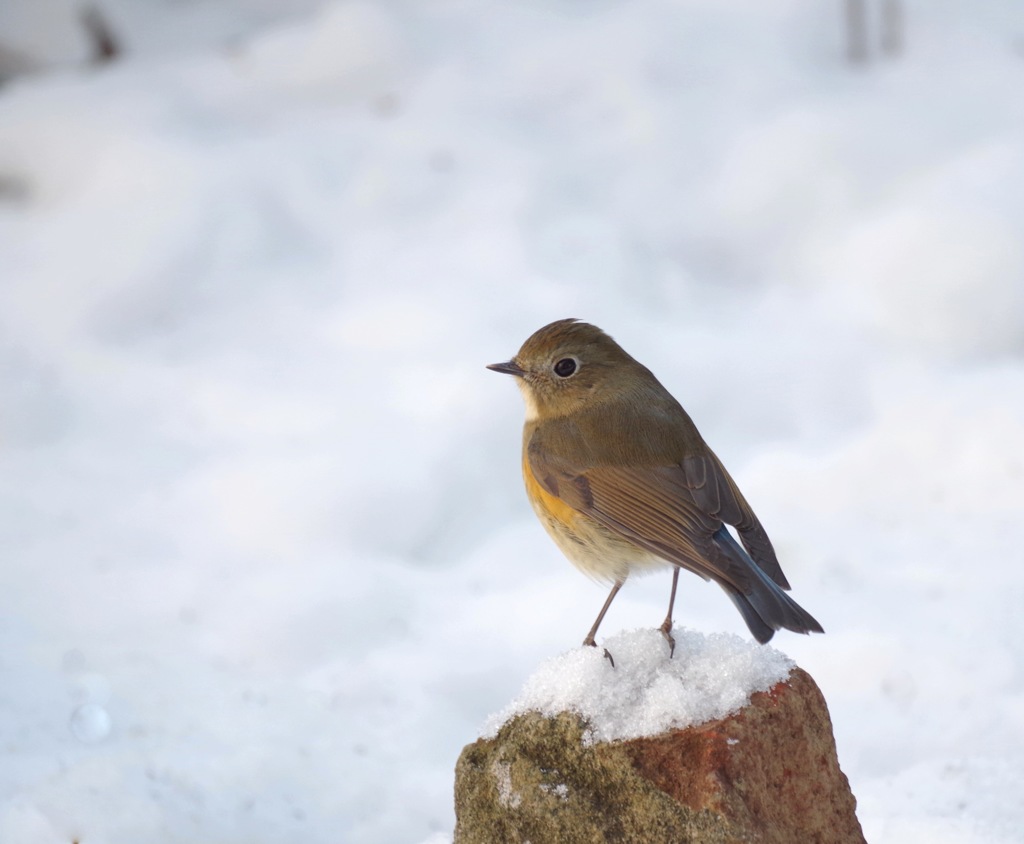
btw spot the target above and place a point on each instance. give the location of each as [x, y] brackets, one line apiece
[716, 494]
[672, 511]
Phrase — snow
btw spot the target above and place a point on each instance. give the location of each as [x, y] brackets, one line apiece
[266, 563]
[646, 692]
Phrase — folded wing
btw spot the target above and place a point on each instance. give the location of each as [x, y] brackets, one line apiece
[679, 512]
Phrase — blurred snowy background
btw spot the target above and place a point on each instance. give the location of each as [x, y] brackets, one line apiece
[265, 559]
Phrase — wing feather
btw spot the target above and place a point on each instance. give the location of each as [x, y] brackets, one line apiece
[715, 493]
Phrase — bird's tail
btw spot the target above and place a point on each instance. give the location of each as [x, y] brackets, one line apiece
[765, 607]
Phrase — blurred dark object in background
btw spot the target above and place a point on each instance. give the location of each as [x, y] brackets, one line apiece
[14, 63]
[856, 24]
[891, 28]
[105, 44]
[856, 17]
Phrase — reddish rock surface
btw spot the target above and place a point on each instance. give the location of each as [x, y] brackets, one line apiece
[770, 769]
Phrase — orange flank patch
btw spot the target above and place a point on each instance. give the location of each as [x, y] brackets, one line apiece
[552, 507]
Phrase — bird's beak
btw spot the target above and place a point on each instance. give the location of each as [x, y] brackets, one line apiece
[509, 368]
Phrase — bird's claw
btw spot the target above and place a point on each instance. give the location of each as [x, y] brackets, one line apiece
[590, 643]
[666, 631]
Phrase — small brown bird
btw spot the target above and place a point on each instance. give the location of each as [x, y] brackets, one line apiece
[623, 481]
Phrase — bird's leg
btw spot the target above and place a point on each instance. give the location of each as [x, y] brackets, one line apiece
[600, 617]
[666, 626]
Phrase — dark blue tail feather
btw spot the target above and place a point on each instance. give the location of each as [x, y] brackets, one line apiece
[765, 607]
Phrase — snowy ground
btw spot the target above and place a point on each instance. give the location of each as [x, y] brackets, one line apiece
[266, 560]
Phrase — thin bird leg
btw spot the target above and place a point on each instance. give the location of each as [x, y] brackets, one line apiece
[666, 626]
[600, 617]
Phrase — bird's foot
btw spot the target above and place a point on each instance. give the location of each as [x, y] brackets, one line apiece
[666, 631]
[590, 643]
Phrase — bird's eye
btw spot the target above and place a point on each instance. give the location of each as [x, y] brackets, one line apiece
[565, 367]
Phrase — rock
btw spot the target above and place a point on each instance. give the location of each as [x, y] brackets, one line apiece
[767, 774]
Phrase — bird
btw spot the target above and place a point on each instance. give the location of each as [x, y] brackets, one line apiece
[624, 483]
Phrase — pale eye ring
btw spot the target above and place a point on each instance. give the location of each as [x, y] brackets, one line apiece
[565, 367]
